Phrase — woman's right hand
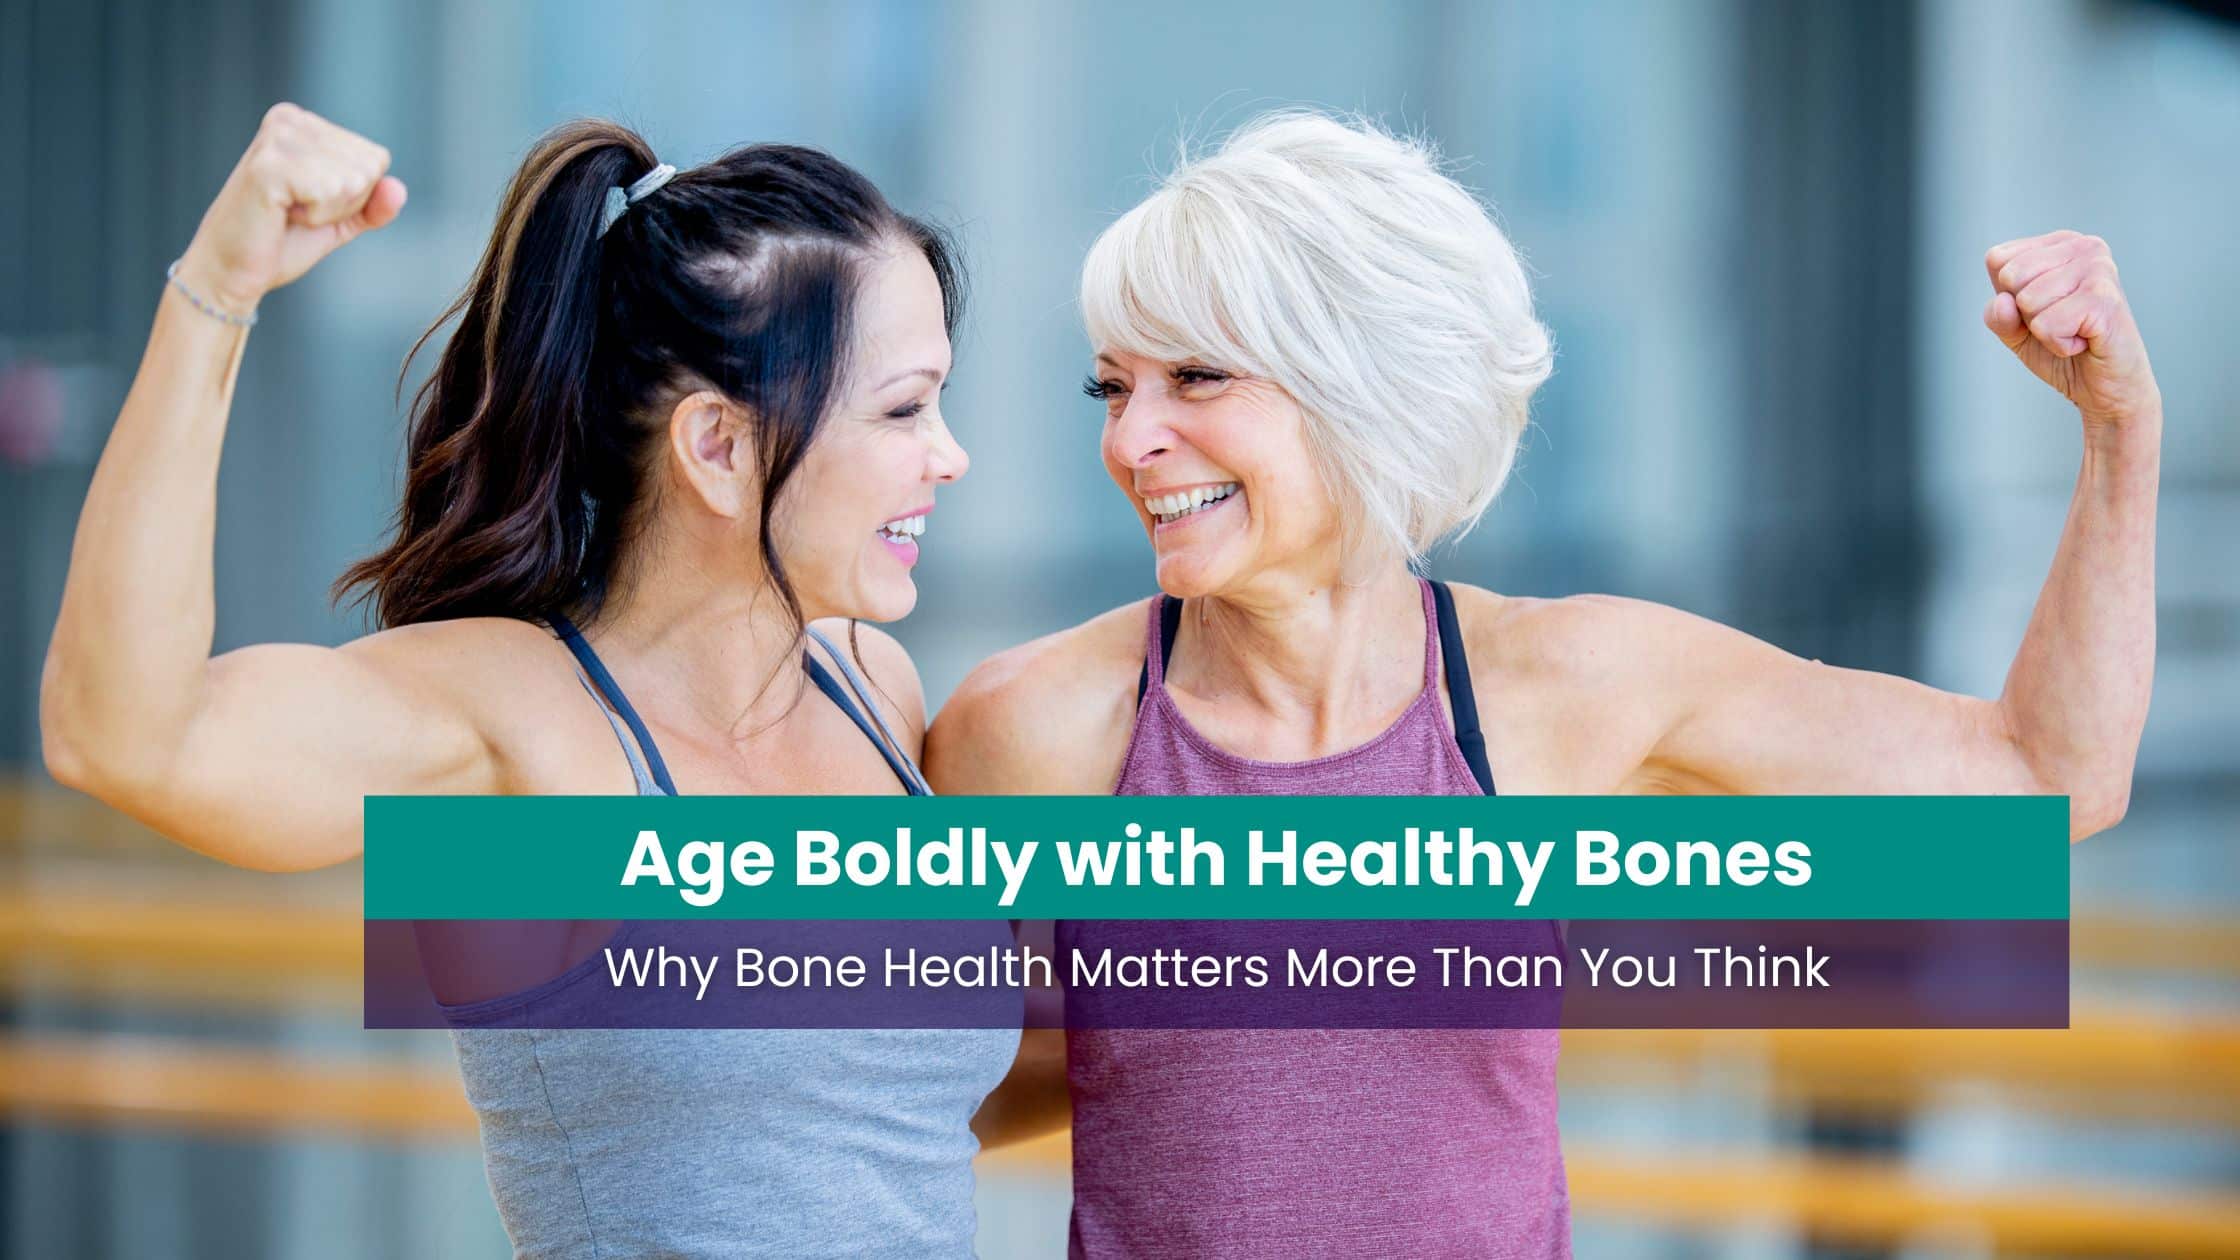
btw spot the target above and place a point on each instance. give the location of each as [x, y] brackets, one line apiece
[304, 189]
[263, 756]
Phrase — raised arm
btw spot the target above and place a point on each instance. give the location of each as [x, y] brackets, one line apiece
[260, 757]
[1742, 716]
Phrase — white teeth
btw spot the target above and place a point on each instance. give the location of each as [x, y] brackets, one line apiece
[903, 527]
[1183, 503]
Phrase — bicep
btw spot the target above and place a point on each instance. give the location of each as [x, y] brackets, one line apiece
[1739, 715]
[287, 742]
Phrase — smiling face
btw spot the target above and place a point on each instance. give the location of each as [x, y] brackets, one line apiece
[1388, 319]
[1218, 468]
[848, 520]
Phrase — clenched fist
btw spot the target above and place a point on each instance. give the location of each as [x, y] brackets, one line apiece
[304, 189]
[2056, 302]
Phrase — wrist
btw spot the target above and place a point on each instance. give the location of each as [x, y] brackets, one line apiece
[2129, 451]
[2135, 429]
[216, 286]
[187, 284]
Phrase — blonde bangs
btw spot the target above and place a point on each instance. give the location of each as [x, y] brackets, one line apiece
[1146, 289]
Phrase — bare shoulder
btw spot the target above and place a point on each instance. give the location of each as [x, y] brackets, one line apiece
[887, 666]
[1574, 692]
[502, 680]
[1571, 638]
[1088, 656]
[467, 657]
[1051, 715]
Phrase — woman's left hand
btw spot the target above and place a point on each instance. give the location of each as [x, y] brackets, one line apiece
[2057, 303]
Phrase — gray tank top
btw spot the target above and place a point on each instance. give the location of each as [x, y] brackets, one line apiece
[725, 1142]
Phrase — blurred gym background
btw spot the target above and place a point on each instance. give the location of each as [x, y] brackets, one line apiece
[1757, 229]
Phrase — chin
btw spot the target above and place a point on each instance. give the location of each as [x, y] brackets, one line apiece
[880, 600]
[1189, 577]
[889, 602]
[1205, 561]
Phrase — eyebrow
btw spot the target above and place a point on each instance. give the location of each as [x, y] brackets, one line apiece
[898, 377]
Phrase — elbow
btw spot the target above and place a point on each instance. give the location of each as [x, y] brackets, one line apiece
[74, 756]
[65, 764]
[61, 746]
[2094, 772]
[80, 752]
[2099, 795]
[2101, 806]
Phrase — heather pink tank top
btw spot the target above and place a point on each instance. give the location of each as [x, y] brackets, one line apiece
[1251, 1143]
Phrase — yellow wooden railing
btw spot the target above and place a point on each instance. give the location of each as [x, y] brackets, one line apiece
[225, 1090]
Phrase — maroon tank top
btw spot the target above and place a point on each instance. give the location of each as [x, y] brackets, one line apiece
[1305, 1143]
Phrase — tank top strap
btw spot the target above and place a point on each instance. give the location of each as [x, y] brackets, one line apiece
[1432, 639]
[1165, 618]
[640, 773]
[1454, 661]
[876, 729]
[645, 760]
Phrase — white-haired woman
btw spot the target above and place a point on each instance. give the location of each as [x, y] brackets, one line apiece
[1316, 353]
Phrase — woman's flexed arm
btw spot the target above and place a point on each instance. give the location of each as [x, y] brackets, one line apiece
[253, 757]
[1738, 715]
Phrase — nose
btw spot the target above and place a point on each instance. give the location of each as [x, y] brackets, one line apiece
[946, 459]
[1140, 433]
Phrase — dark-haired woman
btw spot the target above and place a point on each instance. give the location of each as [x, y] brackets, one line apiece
[684, 417]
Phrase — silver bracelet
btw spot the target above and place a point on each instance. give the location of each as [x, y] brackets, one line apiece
[171, 273]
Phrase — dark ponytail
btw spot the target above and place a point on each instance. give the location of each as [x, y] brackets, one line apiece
[531, 441]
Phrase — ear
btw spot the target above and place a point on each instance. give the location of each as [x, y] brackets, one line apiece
[713, 448]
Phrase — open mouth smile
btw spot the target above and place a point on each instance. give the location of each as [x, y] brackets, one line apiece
[1181, 505]
[901, 536]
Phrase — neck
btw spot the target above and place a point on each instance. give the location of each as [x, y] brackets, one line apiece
[699, 641]
[1313, 648]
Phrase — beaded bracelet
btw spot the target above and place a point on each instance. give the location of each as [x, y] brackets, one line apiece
[171, 273]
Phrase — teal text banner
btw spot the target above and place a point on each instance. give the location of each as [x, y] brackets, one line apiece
[1256, 857]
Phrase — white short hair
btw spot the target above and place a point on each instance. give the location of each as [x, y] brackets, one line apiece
[1338, 261]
